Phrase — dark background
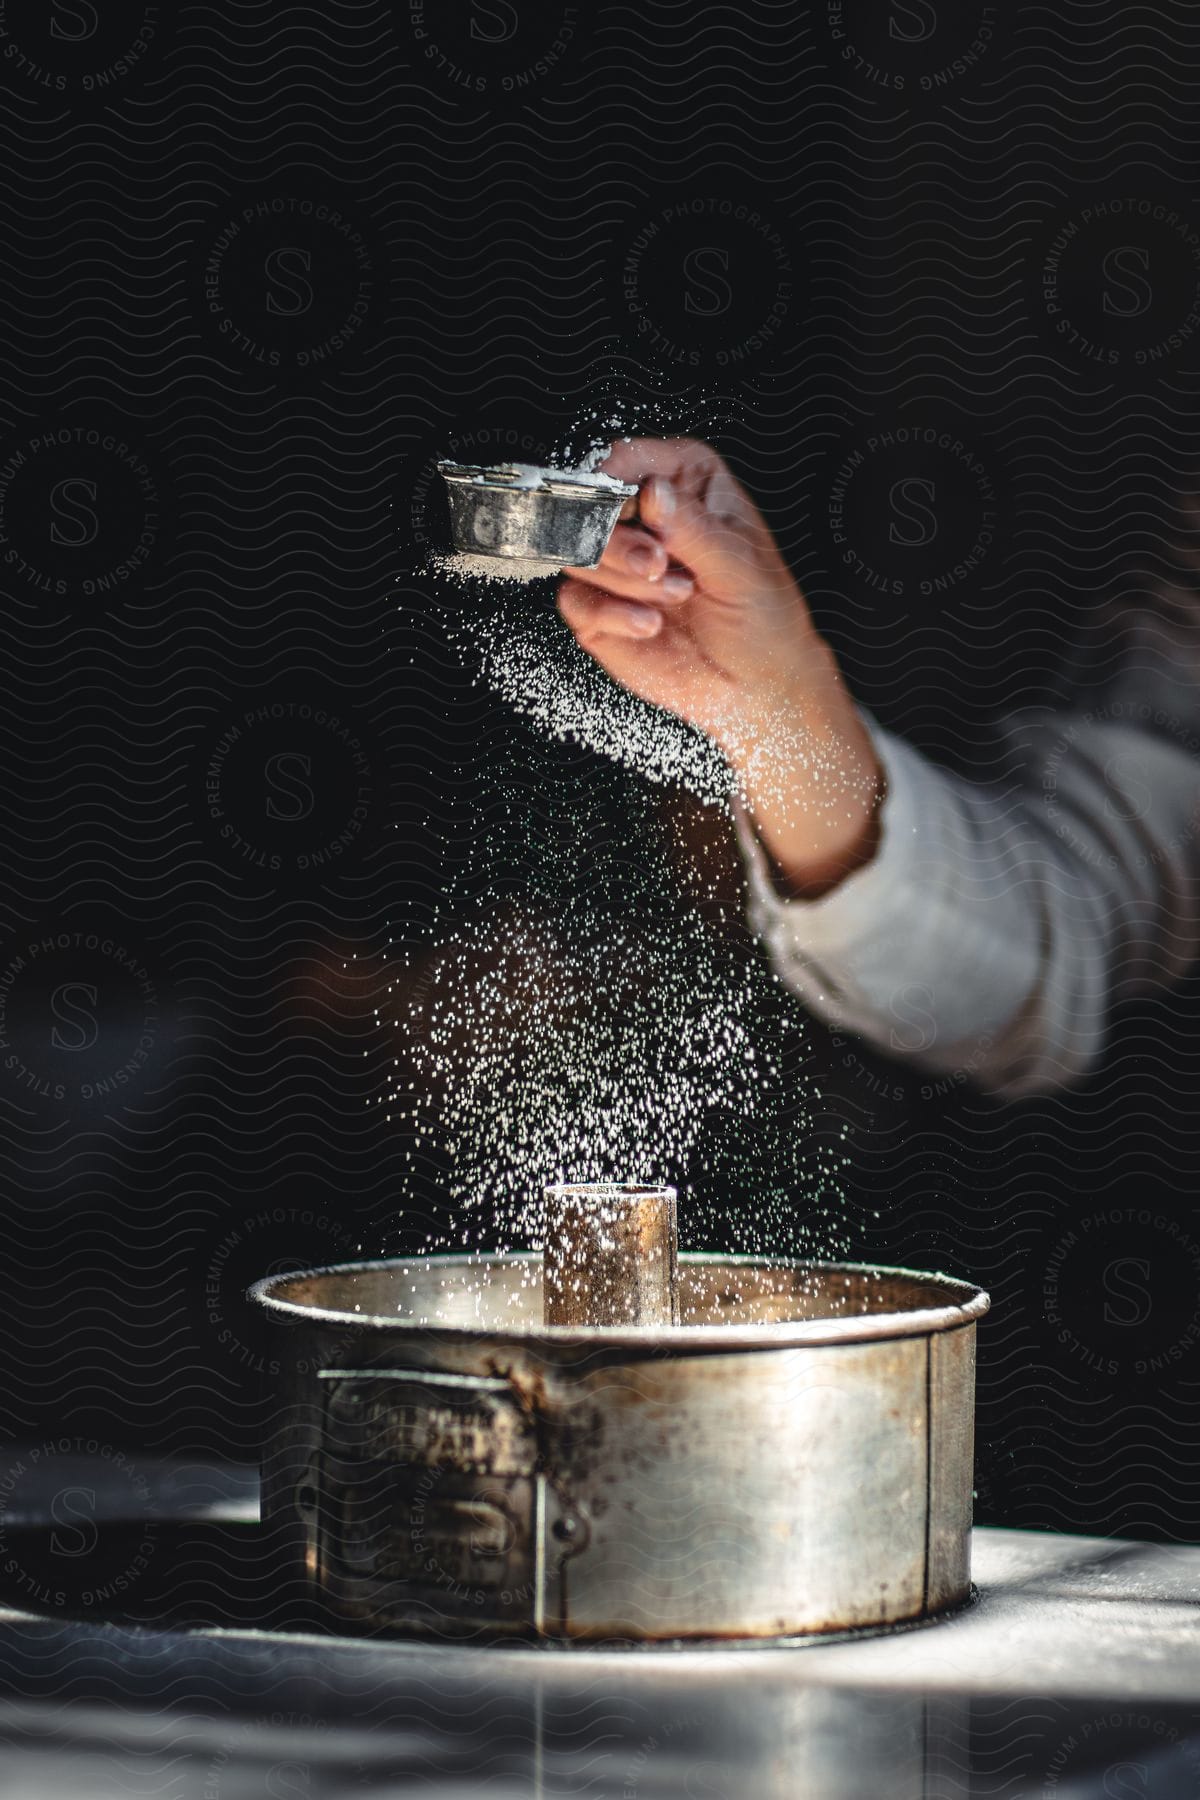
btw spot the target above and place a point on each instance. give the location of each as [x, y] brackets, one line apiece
[220, 413]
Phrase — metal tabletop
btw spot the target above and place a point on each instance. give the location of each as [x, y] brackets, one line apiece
[1075, 1673]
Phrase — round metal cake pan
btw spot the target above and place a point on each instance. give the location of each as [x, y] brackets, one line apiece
[794, 1457]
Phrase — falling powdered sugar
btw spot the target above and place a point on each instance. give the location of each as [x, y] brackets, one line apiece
[535, 1049]
[524, 652]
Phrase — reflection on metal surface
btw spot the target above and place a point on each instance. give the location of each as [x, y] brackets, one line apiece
[259, 1716]
[1074, 1677]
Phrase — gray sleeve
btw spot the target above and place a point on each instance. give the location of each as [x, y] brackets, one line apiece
[993, 929]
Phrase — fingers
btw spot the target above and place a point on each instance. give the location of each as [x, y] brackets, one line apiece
[593, 613]
[699, 513]
[711, 526]
[632, 551]
[636, 566]
[743, 618]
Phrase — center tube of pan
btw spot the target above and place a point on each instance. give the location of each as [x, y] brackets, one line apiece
[610, 1255]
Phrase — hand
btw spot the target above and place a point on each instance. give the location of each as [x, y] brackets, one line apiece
[694, 609]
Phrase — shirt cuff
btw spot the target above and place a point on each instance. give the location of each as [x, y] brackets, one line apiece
[938, 922]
